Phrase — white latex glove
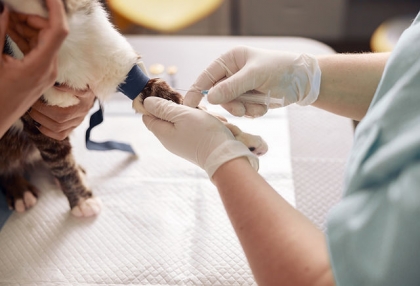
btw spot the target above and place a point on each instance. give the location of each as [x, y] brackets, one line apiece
[291, 77]
[194, 135]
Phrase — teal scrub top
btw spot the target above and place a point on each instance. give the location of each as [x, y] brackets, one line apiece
[374, 233]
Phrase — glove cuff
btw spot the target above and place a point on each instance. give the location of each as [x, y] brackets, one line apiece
[227, 151]
[311, 67]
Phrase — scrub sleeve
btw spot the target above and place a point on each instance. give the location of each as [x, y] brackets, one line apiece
[374, 233]
[5, 212]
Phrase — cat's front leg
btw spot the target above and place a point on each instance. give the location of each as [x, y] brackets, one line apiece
[59, 159]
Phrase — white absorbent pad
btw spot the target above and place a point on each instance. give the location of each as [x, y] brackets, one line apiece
[162, 221]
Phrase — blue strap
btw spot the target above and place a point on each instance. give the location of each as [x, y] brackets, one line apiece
[133, 85]
[96, 119]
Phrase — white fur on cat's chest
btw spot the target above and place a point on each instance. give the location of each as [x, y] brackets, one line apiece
[94, 55]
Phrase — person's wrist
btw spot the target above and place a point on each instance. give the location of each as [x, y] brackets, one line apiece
[227, 151]
[225, 169]
[309, 67]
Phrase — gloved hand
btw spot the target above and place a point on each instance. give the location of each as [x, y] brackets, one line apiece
[291, 77]
[194, 135]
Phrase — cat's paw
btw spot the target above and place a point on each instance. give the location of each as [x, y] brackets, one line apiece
[87, 207]
[28, 201]
[255, 143]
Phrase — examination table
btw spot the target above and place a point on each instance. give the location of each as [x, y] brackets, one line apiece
[162, 221]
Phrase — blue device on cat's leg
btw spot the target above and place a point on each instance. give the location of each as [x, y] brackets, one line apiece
[134, 84]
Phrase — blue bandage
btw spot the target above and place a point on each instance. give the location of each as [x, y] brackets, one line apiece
[134, 84]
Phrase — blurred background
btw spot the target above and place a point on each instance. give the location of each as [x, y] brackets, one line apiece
[345, 25]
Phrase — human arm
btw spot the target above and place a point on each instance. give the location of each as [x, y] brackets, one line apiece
[53, 121]
[22, 81]
[292, 77]
[281, 245]
[349, 82]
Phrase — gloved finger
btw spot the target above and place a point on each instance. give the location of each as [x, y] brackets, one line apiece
[225, 66]
[193, 97]
[235, 108]
[207, 79]
[255, 110]
[242, 81]
[158, 126]
[148, 120]
[240, 76]
[164, 109]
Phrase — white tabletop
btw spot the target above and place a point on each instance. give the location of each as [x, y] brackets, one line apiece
[163, 222]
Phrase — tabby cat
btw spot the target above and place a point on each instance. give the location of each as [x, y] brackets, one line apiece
[94, 55]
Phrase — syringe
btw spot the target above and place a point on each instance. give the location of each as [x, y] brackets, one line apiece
[257, 98]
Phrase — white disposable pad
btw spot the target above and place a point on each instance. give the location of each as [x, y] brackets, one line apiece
[162, 222]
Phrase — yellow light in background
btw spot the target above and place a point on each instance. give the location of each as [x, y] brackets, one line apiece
[161, 15]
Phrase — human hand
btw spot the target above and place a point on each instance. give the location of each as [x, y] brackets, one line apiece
[22, 33]
[194, 135]
[291, 77]
[40, 39]
[58, 122]
[24, 80]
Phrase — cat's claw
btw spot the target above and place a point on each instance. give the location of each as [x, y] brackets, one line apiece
[28, 201]
[87, 208]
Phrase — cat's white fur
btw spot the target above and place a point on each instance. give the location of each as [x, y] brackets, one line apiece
[94, 54]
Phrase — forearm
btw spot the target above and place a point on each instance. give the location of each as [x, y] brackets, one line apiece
[349, 81]
[282, 246]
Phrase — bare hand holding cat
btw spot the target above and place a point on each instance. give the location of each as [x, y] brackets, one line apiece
[53, 121]
[23, 81]
[58, 122]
